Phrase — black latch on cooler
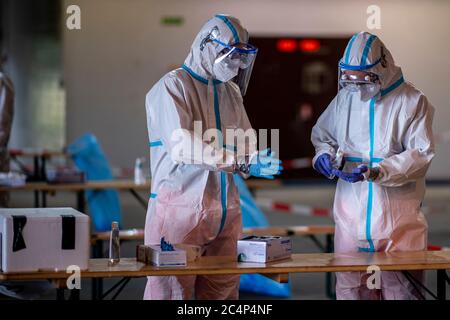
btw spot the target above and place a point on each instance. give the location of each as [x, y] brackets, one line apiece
[19, 223]
[68, 232]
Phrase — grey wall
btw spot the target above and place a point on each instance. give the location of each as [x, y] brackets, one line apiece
[122, 50]
[34, 63]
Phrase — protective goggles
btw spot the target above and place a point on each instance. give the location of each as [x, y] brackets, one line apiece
[243, 51]
[355, 80]
[361, 78]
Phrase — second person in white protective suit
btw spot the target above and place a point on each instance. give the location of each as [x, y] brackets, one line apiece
[383, 126]
[194, 199]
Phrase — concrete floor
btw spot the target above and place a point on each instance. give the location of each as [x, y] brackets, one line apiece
[304, 286]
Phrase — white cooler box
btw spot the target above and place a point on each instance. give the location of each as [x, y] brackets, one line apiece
[43, 239]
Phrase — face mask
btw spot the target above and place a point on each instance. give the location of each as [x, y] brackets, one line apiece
[226, 69]
[367, 91]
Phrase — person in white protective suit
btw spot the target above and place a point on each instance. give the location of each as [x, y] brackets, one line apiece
[194, 199]
[383, 127]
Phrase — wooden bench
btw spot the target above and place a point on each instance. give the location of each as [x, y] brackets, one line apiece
[138, 234]
[299, 263]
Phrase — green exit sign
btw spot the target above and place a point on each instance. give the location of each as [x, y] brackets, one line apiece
[172, 21]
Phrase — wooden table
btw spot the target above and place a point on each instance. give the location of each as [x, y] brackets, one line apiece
[39, 157]
[89, 185]
[110, 184]
[311, 232]
[299, 263]
[45, 188]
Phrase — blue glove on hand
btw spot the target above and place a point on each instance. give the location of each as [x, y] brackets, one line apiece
[355, 176]
[324, 165]
[265, 165]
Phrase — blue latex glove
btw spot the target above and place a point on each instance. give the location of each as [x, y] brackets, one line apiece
[166, 246]
[355, 176]
[265, 165]
[324, 165]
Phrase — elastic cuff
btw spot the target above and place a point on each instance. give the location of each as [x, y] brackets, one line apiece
[318, 154]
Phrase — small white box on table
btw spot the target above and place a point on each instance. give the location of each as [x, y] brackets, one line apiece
[160, 258]
[264, 248]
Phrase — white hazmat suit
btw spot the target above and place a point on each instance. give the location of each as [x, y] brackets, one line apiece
[392, 134]
[194, 199]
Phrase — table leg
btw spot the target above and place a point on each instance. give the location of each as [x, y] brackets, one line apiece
[329, 243]
[74, 294]
[121, 288]
[43, 169]
[81, 201]
[36, 199]
[139, 198]
[36, 168]
[97, 283]
[121, 284]
[23, 168]
[442, 279]
[318, 243]
[60, 294]
[44, 199]
[330, 292]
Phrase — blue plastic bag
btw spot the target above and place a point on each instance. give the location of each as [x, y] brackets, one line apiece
[252, 216]
[104, 205]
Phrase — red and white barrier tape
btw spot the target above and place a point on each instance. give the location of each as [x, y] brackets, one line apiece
[299, 163]
[295, 209]
[437, 248]
[304, 210]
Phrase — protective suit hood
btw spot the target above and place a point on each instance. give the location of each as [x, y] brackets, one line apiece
[366, 52]
[203, 53]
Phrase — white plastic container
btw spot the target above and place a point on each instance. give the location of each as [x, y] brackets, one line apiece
[43, 239]
[139, 177]
[263, 249]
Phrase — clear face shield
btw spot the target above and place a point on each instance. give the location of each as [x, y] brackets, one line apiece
[235, 62]
[367, 83]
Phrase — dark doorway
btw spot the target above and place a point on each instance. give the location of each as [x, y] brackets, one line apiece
[293, 81]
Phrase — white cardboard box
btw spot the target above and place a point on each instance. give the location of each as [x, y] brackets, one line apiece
[264, 249]
[43, 239]
[167, 258]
